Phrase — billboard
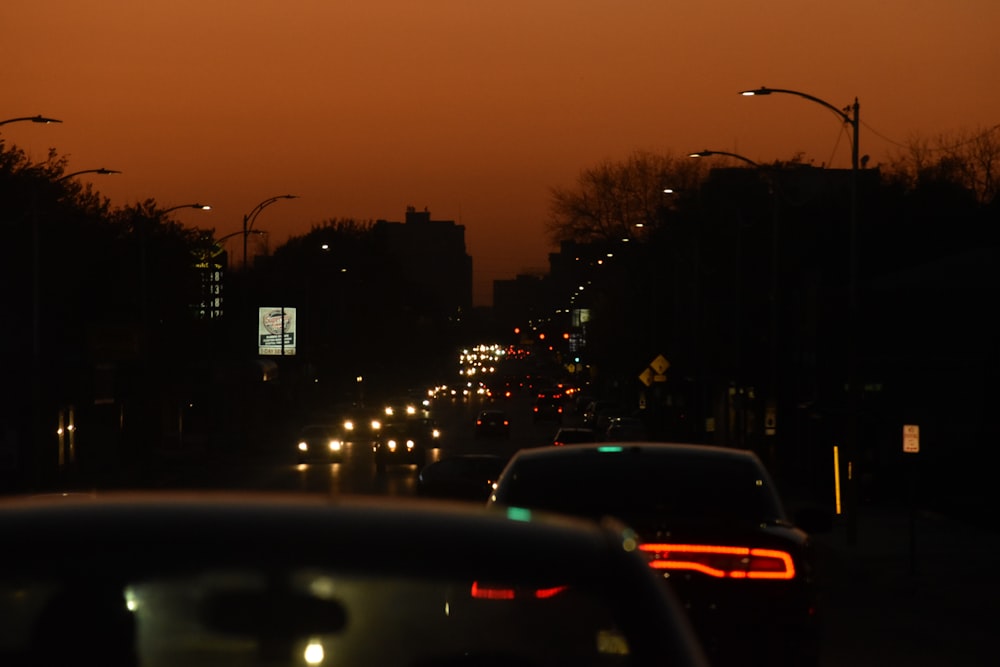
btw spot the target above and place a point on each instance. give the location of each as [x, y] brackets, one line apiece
[276, 331]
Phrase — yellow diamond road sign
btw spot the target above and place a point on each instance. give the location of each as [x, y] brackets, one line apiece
[646, 377]
[660, 364]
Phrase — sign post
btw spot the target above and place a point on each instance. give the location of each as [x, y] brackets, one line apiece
[911, 445]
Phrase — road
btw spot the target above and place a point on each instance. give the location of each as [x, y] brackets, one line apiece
[914, 588]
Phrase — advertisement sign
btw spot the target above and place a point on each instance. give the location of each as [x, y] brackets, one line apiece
[276, 331]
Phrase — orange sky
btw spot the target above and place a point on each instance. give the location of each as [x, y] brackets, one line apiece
[470, 108]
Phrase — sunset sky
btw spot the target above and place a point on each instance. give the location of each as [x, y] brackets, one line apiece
[472, 109]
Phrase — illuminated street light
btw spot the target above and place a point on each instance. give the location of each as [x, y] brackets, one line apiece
[708, 153]
[250, 217]
[203, 207]
[32, 119]
[849, 115]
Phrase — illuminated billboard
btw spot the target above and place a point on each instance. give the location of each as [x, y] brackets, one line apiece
[276, 331]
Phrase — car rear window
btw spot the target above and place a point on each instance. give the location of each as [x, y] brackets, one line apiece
[626, 483]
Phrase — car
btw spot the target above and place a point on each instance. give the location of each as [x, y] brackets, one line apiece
[319, 442]
[547, 409]
[405, 442]
[246, 578]
[361, 422]
[492, 423]
[710, 521]
[573, 435]
[461, 476]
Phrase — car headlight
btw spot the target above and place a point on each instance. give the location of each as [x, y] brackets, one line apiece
[391, 445]
[335, 445]
[435, 434]
[410, 444]
[303, 446]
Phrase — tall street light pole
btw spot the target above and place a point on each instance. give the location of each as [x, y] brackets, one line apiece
[36, 348]
[249, 218]
[849, 115]
[770, 418]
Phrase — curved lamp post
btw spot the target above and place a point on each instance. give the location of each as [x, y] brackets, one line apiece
[36, 347]
[249, 218]
[32, 119]
[770, 424]
[849, 115]
[102, 170]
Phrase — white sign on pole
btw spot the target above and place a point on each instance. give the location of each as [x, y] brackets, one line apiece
[276, 331]
[911, 438]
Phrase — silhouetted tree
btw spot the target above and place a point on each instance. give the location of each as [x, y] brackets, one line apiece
[620, 199]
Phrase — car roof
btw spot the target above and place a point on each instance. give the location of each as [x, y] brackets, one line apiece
[675, 449]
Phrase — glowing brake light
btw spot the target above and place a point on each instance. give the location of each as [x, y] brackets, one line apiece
[721, 562]
[491, 592]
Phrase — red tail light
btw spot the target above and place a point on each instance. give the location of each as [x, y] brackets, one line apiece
[492, 592]
[721, 562]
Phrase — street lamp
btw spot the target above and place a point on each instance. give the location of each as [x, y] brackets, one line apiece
[36, 347]
[770, 421]
[849, 115]
[102, 170]
[33, 119]
[203, 207]
[250, 217]
[708, 153]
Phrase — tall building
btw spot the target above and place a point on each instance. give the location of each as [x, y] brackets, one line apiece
[433, 257]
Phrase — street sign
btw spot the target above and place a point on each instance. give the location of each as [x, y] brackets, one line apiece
[660, 364]
[911, 438]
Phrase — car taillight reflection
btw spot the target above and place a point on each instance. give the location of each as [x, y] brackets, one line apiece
[494, 592]
[722, 562]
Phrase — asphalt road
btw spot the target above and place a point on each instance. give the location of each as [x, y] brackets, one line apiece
[914, 588]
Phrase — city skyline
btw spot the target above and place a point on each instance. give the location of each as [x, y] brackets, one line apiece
[472, 111]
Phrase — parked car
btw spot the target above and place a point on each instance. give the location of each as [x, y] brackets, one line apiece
[709, 519]
[573, 435]
[492, 423]
[201, 579]
[319, 443]
[405, 442]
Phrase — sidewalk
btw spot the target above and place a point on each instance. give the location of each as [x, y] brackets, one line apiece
[915, 588]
